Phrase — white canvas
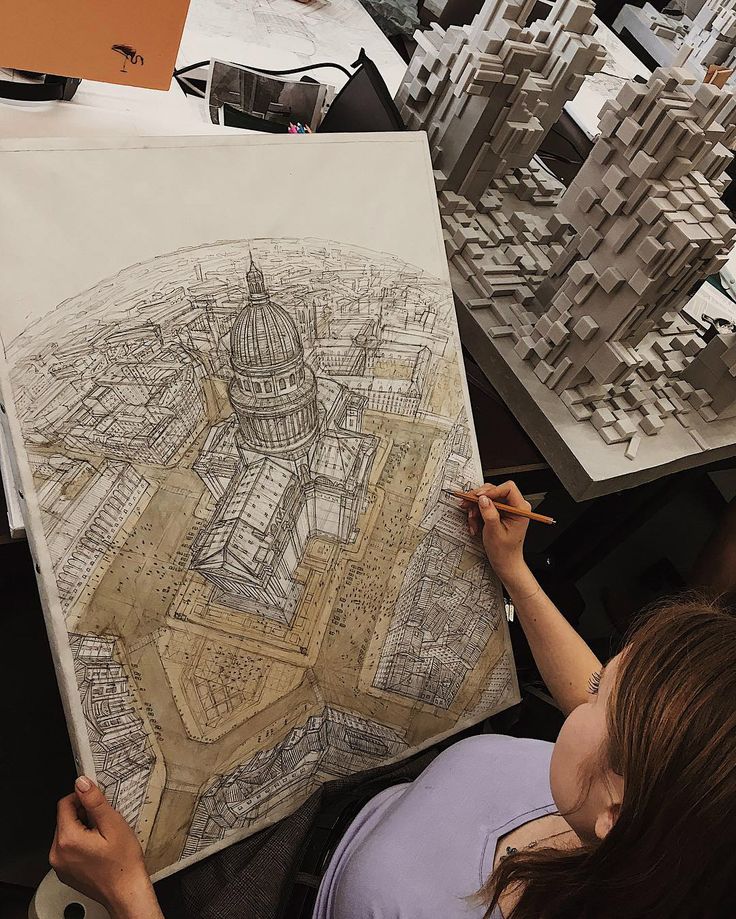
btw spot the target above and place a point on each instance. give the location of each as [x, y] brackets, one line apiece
[234, 393]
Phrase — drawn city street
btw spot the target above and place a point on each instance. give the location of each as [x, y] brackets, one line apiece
[239, 452]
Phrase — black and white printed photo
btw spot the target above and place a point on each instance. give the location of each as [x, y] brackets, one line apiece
[712, 310]
[269, 98]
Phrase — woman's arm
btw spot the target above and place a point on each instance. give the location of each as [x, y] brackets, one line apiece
[564, 660]
[95, 851]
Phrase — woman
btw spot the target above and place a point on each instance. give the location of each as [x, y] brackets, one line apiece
[632, 812]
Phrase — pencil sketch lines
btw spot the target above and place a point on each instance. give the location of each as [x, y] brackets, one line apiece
[216, 685]
[121, 749]
[302, 464]
[442, 623]
[330, 744]
[446, 609]
[240, 451]
[91, 507]
[500, 685]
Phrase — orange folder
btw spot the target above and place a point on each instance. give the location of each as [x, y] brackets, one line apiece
[134, 42]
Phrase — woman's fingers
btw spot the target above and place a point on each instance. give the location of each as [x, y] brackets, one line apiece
[474, 524]
[506, 493]
[514, 497]
[471, 509]
[488, 512]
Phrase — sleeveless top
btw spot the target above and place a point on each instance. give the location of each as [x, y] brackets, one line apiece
[422, 849]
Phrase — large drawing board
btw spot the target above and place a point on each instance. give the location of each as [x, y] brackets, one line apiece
[234, 393]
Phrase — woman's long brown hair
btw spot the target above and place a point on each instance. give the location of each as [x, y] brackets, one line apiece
[672, 736]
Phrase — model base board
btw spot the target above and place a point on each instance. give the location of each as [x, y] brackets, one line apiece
[502, 251]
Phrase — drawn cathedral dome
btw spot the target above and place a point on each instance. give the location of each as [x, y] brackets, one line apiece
[273, 391]
[264, 334]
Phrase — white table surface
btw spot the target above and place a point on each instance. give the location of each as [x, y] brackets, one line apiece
[638, 22]
[598, 88]
[281, 34]
[277, 34]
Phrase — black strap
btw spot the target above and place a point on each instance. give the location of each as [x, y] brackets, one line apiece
[195, 86]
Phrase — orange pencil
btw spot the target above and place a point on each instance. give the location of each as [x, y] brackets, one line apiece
[504, 508]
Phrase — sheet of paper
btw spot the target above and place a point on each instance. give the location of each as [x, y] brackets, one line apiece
[598, 88]
[133, 43]
[12, 501]
[104, 110]
[280, 34]
[278, 101]
[234, 404]
[710, 307]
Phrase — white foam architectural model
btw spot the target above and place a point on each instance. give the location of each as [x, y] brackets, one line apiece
[704, 35]
[488, 93]
[571, 299]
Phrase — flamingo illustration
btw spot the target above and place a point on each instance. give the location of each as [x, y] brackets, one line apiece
[128, 54]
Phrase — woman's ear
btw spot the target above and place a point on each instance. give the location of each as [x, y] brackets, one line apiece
[605, 821]
[607, 818]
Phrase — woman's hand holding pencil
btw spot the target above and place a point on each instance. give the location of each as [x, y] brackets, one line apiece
[503, 508]
[503, 532]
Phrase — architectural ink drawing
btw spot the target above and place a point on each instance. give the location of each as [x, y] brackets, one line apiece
[238, 452]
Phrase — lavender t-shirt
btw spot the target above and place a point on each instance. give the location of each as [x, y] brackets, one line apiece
[419, 850]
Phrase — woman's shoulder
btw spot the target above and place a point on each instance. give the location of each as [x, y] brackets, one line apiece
[424, 851]
[488, 773]
[521, 757]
